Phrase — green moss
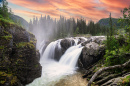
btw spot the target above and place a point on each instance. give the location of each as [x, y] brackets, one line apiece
[1, 47]
[8, 37]
[14, 80]
[25, 45]
[4, 76]
[36, 65]
[5, 36]
[6, 33]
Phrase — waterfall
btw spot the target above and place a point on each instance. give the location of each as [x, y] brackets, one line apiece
[53, 71]
[49, 52]
[42, 44]
[71, 56]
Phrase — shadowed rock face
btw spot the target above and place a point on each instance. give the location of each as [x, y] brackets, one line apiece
[91, 53]
[65, 44]
[19, 60]
[19, 34]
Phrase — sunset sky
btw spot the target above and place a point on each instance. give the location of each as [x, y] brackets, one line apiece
[88, 9]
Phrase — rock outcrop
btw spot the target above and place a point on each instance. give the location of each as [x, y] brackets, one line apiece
[92, 52]
[19, 60]
[66, 43]
[93, 49]
[62, 46]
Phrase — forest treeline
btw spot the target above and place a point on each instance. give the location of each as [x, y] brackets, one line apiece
[46, 26]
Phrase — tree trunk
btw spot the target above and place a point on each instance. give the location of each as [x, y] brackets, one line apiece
[107, 68]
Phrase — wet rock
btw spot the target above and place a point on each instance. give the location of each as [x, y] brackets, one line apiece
[58, 52]
[98, 39]
[81, 40]
[66, 43]
[86, 42]
[91, 53]
[38, 55]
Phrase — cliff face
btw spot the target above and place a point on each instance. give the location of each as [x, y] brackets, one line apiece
[19, 60]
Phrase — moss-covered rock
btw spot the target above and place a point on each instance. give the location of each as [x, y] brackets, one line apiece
[8, 79]
[19, 60]
[32, 38]
[25, 59]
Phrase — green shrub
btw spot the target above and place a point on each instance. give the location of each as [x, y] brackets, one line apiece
[112, 43]
[115, 57]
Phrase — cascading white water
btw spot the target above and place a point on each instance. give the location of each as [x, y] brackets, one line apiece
[76, 41]
[71, 56]
[42, 44]
[53, 71]
[49, 52]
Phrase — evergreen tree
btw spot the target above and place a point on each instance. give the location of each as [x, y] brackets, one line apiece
[126, 21]
[4, 12]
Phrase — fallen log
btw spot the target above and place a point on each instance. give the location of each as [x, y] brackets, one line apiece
[106, 68]
[102, 81]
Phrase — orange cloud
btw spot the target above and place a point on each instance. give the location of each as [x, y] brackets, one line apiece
[89, 9]
[115, 6]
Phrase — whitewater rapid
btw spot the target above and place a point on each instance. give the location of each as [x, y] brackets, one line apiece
[53, 71]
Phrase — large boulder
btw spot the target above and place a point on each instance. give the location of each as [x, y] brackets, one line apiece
[91, 53]
[66, 43]
[59, 51]
[61, 46]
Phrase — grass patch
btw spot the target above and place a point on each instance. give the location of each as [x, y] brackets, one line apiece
[6, 23]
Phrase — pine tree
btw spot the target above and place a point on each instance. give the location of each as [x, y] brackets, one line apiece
[4, 12]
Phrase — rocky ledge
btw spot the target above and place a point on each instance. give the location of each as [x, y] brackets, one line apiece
[19, 59]
[92, 52]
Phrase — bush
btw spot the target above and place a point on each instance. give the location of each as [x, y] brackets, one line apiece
[115, 57]
[112, 43]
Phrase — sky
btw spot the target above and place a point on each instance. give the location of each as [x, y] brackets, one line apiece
[87, 9]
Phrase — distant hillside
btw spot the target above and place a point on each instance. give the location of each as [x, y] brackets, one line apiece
[18, 19]
[105, 22]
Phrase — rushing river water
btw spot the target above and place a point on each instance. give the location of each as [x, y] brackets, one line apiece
[53, 71]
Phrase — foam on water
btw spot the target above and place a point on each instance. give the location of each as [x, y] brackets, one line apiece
[53, 71]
